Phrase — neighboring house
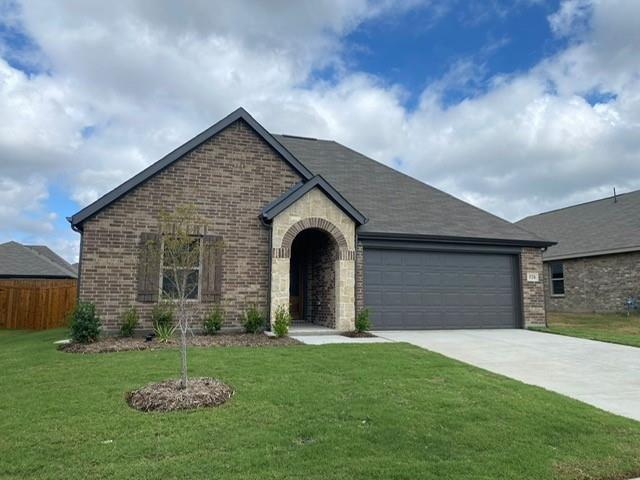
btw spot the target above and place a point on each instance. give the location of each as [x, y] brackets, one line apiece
[316, 227]
[37, 287]
[595, 266]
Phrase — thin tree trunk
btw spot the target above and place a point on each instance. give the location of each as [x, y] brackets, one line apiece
[183, 359]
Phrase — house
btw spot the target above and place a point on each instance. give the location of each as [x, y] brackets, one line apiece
[316, 227]
[37, 287]
[595, 266]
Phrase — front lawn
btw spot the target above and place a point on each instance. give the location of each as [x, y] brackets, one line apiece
[614, 328]
[377, 411]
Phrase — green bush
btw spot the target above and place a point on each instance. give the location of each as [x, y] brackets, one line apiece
[162, 315]
[213, 320]
[84, 323]
[253, 320]
[281, 322]
[129, 322]
[362, 321]
[164, 332]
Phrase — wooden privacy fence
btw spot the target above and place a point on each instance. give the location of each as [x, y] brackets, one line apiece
[36, 304]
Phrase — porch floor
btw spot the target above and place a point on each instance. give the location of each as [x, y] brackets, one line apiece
[308, 328]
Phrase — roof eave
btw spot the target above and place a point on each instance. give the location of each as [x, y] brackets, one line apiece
[594, 253]
[454, 239]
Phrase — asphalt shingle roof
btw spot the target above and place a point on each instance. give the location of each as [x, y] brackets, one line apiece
[32, 261]
[592, 228]
[394, 202]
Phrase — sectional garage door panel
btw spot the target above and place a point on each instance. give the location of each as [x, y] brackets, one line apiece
[432, 290]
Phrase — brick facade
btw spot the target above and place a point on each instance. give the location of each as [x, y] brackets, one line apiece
[229, 178]
[596, 284]
[533, 299]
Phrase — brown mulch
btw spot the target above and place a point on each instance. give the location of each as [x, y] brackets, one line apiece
[119, 344]
[358, 334]
[167, 396]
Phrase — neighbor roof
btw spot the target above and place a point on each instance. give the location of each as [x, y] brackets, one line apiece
[399, 205]
[608, 225]
[33, 261]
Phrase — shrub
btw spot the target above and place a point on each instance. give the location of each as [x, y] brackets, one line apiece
[129, 323]
[213, 320]
[84, 323]
[362, 321]
[164, 332]
[162, 315]
[281, 322]
[253, 320]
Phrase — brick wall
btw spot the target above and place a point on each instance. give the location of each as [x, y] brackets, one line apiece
[596, 284]
[229, 178]
[533, 299]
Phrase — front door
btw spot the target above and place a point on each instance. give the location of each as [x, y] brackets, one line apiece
[296, 288]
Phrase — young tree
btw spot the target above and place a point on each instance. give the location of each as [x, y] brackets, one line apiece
[180, 254]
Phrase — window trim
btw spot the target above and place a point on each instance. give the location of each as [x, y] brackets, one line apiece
[552, 280]
[161, 295]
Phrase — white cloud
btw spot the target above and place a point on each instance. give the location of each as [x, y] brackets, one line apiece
[144, 77]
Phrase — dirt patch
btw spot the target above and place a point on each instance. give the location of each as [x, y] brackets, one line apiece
[167, 396]
[358, 334]
[118, 344]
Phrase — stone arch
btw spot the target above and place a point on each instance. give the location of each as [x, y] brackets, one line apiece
[320, 224]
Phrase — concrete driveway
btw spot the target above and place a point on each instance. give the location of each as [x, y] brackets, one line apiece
[601, 374]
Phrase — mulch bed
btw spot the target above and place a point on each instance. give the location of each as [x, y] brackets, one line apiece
[358, 334]
[167, 396]
[119, 344]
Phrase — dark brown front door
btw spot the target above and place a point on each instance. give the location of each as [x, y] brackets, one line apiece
[296, 289]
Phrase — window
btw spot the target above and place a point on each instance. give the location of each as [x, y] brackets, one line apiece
[180, 268]
[557, 278]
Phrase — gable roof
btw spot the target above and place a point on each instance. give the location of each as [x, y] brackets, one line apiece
[395, 204]
[300, 189]
[593, 228]
[398, 205]
[240, 114]
[17, 260]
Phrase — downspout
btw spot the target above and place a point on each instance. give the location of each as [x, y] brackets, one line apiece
[268, 226]
[76, 229]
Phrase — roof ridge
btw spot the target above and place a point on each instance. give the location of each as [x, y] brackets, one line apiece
[578, 205]
[67, 265]
[43, 257]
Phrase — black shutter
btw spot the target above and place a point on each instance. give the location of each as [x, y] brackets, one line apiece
[211, 281]
[149, 268]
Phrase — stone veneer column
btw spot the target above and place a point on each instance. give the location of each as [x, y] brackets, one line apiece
[533, 300]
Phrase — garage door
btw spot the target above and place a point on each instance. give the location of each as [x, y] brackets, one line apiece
[440, 290]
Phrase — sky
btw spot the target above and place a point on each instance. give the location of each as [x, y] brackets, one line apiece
[515, 106]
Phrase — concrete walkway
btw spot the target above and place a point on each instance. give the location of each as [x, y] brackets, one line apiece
[601, 374]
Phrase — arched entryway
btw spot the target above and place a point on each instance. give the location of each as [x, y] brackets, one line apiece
[314, 224]
[312, 278]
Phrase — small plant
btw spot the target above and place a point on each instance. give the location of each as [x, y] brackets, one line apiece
[253, 320]
[281, 322]
[164, 332]
[213, 320]
[162, 314]
[362, 321]
[84, 323]
[129, 323]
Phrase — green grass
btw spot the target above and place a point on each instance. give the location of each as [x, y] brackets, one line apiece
[385, 411]
[613, 328]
